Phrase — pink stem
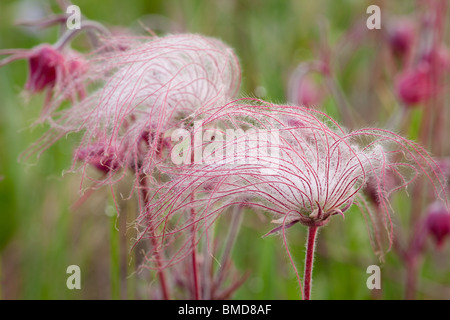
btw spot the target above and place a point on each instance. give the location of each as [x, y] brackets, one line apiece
[310, 244]
[194, 245]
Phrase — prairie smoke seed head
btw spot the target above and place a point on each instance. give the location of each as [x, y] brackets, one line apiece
[302, 90]
[153, 86]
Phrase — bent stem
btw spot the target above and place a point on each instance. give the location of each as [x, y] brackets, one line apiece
[310, 245]
[86, 25]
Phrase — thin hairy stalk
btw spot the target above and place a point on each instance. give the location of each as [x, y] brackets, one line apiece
[123, 253]
[160, 271]
[309, 261]
[196, 285]
[86, 195]
[411, 268]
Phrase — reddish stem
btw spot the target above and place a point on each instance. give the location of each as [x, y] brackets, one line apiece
[194, 245]
[194, 257]
[310, 244]
[160, 273]
[411, 278]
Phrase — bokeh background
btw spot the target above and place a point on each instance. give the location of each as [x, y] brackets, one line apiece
[41, 233]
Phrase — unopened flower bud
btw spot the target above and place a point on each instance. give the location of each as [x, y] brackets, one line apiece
[307, 94]
[438, 223]
[401, 36]
[414, 85]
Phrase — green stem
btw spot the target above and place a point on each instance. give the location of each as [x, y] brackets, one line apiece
[85, 25]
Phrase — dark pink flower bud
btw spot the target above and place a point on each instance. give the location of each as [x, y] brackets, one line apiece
[160, 147]
[101, 157]
[439, 56]
[401, 37]
[47, 66]
[444, 57]
[59, 72]
[302, 90]
[414, 85]
[438, 223]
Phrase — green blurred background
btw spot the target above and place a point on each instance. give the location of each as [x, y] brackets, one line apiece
[40, 236]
